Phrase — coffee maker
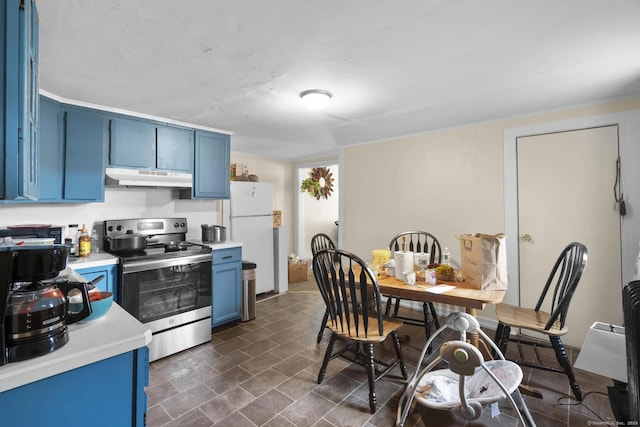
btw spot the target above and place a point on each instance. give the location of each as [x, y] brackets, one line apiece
[34, 301]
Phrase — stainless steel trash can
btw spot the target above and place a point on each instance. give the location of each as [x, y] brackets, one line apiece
[248, 291]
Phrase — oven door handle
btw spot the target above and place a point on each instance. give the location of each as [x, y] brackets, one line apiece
[136, 266]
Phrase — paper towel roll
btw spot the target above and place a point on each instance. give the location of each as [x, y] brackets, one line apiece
[404, 262]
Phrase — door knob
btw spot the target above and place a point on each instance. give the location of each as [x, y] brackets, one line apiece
[526, 237]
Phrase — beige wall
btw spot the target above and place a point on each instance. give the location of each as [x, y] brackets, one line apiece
[445, 182]
[416, 182]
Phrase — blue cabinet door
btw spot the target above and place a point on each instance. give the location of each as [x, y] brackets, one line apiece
[28, 100]
[51, 157]
[132, 143]
[174, 149]
[77, 397]
[212, 162]
[85, 137]
[9, 54]
[110, 276]
[227, 286]
[18, 99]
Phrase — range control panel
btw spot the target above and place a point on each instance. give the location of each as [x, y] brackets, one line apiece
[146, 226]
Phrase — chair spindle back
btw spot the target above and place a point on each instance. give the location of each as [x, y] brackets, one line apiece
[349, 290]
[418, 241]
[321, 241]
[566, 273]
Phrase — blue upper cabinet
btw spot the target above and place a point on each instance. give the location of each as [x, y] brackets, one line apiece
[132, 143]
[174, 148]
[29, 101]
[70, 153]
[211, 172]
[18, 99]
[141, 144]
[51, 150]
[85, 136]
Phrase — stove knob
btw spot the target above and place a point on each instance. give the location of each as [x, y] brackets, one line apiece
[119, 227]
[183, 225]
[110, 228]
[176, 225]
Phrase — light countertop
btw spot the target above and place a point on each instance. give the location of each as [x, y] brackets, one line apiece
[115, 333]
[96, 259]
[222, 245]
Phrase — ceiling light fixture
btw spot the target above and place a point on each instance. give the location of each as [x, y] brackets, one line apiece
[316, 99]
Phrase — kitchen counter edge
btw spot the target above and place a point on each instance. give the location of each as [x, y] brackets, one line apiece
[97, 259]
[221, 245]
[117, 332]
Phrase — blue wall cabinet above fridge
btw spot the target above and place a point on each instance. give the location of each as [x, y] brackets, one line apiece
[227, 286]
[18, 99]
[211, 168]
[143, 144]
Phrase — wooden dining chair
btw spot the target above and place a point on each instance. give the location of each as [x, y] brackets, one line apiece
[352, 297]
[566, 274]
[318, 242]
[417, 241]
[631, 316]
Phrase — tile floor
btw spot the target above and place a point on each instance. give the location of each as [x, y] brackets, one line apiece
[264, 373]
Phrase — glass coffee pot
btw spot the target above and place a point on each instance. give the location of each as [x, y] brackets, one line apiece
[36, 312]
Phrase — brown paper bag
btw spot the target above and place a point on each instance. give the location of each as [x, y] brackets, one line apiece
[484, 260]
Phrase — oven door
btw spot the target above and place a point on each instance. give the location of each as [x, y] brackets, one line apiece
[164, 291]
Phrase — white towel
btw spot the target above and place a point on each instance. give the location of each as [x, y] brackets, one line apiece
[404, 262]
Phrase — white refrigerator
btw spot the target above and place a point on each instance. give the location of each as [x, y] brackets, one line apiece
[250, 221]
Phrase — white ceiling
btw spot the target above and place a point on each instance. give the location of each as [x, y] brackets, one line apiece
[395, 67]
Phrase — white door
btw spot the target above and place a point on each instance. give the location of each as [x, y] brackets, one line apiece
[565, 194]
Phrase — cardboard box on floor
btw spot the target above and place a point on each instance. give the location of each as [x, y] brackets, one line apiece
[298, 272]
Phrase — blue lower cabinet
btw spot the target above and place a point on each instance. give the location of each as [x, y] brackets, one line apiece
[106, 393]
[107, 284]
[227, 286]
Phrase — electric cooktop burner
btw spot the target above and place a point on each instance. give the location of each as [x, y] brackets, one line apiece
[167, 251]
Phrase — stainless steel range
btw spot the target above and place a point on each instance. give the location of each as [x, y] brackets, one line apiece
[167, 285]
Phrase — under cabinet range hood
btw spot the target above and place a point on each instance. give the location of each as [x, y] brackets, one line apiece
[122, 177]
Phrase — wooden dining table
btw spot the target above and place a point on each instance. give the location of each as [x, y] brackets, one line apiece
[461, 295]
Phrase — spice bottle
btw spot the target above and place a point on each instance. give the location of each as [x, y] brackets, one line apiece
[95, 244]
[84, 243]
[446, 257]
[72, 239]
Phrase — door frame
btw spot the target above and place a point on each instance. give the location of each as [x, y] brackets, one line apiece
[299, 238]
[628, 123]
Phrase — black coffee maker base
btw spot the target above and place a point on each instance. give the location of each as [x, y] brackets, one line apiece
[28, 349]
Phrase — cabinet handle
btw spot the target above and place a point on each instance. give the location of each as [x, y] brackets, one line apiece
[227, 257]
